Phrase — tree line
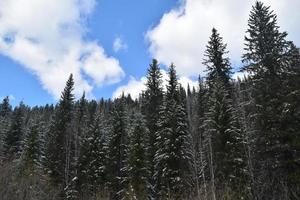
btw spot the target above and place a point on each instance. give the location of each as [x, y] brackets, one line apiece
[226, 139]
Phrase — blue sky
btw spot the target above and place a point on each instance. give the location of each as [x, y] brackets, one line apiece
[128, 20]
[108, 44]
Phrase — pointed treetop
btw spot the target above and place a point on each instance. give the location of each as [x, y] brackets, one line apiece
[5, 107]
[67, 94]
[265, 44]
[154, 76]
[217, 63]
[172, 87]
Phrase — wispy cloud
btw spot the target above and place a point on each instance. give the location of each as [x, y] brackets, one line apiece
[46, 37]
[119, 44]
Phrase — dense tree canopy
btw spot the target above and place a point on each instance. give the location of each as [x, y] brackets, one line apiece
[225, 139]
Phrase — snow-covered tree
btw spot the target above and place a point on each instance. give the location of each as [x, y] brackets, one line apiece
[137, 165]
[93, 157]
[14, 136]
[117, 150]
[5, 114]
[269, 58]
[151, 104]
[58, 152]
[172, 158]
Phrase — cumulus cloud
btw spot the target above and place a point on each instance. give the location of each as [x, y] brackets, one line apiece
[182, 33]
[119, 44]
[47, 37]
[134, 87]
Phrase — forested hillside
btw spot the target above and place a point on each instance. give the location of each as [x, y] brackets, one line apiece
[226, 139]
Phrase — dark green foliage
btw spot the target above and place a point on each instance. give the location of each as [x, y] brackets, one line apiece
[93, 157]
[269, 58]
[5, 113]
[59, 137]
[117, 150]
[172, 158]
[221, 128]
[151, 104]
[224, 140]
[32, 150]
[12, 143]
[218, 66]
[136, 167]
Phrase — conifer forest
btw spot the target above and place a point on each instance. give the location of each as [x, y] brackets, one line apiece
[227, 139]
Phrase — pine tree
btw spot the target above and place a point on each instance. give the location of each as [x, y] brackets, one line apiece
[5, 112]
[117, 150]
[58, 153]
[81, 124]
[218, 66]
[199, 161]
[172, 158]
[137, 165]
[225, 139]
[14, 136]
[221, 126]
[153, 98]
[93, 157]
[31, 155]
[267, 58]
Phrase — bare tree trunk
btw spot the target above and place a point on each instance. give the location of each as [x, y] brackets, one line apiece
[212, 170]
[203, 172]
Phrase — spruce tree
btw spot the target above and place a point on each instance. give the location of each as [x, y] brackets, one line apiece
[218, 66]
[31, 155]
[221, 128]
[153, 97]
[136, 167]
[81, 124]
[117, 150]
[268, 58]
[93, 157]
[58, 153]
[221, 125]
[13, 139]
[5, 114]
[172, 157]
[199, 161]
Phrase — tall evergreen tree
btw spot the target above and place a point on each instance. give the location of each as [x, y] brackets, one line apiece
[199, 161]
[221, 126]
[225, 140]
[31, 155]
[14, 136]
[117, 150]
[153, 98]
[5, 114]
[92, 160]
[268, 60]
[172, 158]
[218, 66]
[136, 167]
[58, 153]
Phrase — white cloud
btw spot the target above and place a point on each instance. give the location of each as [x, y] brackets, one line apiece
[47, 38]
[182, 33]
[119, 44]
[134, 87]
